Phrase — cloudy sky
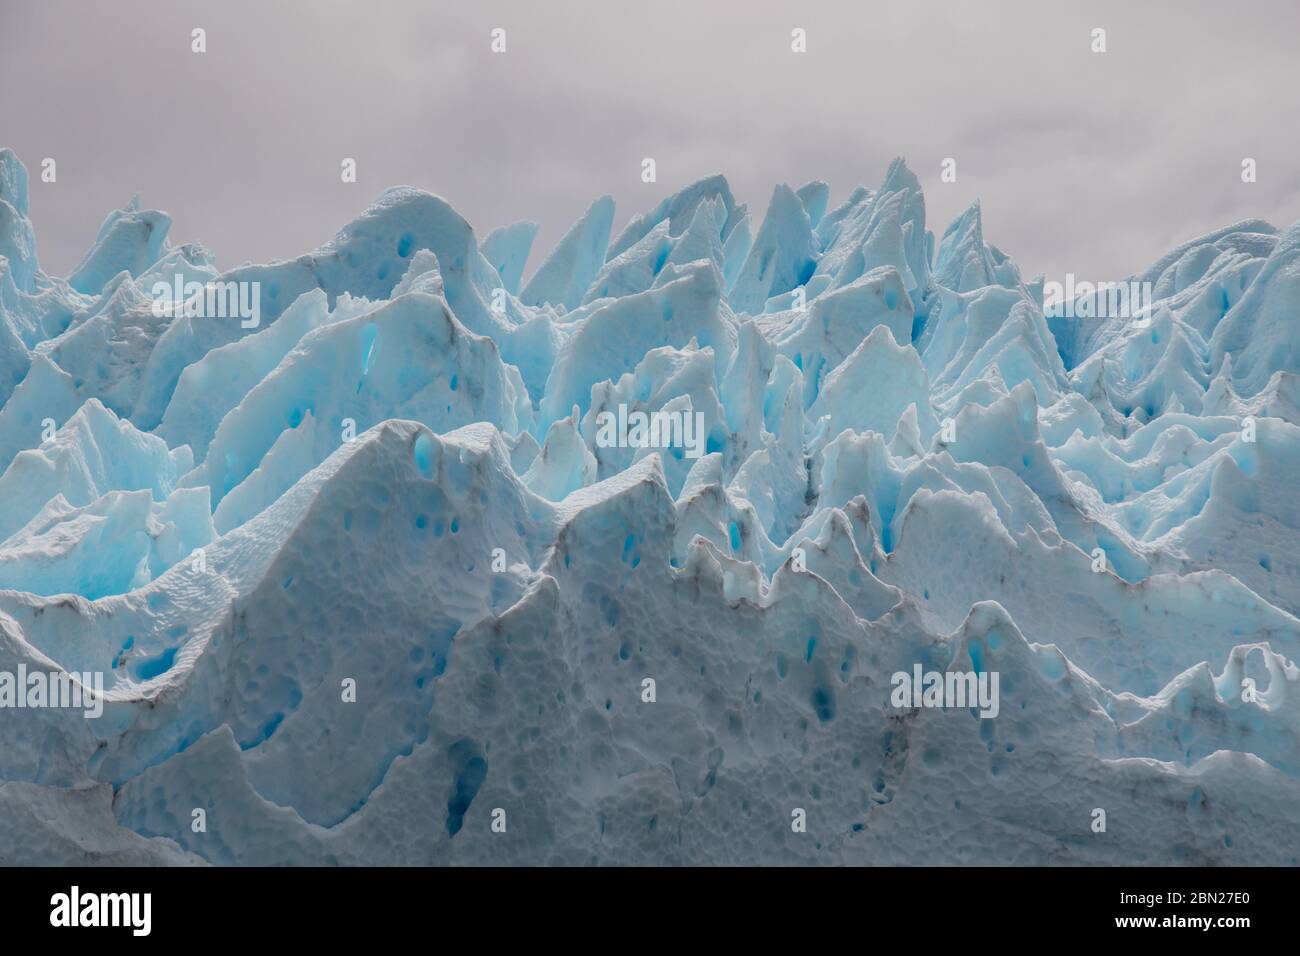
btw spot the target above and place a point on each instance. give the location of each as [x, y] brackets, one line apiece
[1090, 163]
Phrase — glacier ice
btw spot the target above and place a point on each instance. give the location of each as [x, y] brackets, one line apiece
[362, 575]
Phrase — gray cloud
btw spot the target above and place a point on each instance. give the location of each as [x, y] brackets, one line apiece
[1095, 164]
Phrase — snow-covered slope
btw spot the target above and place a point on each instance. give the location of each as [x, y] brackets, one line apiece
[386, 577]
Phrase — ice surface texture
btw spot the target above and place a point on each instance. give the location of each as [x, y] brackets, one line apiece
[394, 479]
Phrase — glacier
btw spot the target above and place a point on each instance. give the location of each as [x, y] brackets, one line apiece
[366, 588]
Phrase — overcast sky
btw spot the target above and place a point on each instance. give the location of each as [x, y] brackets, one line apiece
[1089, 163]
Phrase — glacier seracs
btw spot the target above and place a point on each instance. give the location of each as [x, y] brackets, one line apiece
[395, 481]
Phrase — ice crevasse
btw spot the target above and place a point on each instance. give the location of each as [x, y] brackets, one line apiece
[363, 577]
